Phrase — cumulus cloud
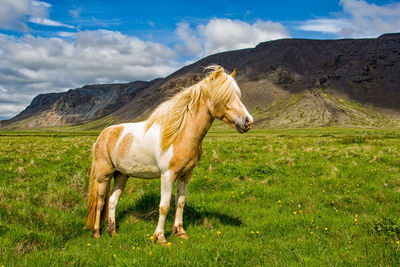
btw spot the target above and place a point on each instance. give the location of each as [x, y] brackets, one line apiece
[358, 19]
[225, 34]
[15, 14]
[30, 65]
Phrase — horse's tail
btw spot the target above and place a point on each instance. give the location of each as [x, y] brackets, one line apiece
[93, 198]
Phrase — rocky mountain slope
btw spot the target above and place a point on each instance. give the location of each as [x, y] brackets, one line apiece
[285, 83]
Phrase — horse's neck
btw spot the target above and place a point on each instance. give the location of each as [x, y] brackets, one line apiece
[198, 123]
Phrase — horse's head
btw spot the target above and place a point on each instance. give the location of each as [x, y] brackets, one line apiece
[225, 103]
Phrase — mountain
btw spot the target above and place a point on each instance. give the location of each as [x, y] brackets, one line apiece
[285, 83]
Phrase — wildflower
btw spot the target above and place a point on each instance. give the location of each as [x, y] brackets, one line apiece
[257, 232]
[294, 212]
[114, 256]
[168, 244]
[279, 201]
[311, 233]
[148, 234]
[355, 259]
[252, 232]
[181, 242]
[151, 252]
[110, 246]
[89, 244]
[204, 236]
[356, 220]
[349, 242]
[333, 202]
[397, 242]
[151, 237]
[300, 211]
[326, 228]
[242, 193]
[218, 233]
[133, 247]
[356, 216]
[323, 190]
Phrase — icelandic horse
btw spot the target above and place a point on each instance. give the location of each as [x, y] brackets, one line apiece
[167, 145]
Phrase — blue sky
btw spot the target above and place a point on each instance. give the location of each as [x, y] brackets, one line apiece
[52, 46]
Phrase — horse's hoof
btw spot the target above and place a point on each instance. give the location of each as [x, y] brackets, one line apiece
[159, 239]
[179, 232]
[96, 234]
[114, 233]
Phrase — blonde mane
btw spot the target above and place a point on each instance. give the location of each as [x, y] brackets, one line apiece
[172, 114]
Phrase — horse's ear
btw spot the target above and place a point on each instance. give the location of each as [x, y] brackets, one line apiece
[233, 74]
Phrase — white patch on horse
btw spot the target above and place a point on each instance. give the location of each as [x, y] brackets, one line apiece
[144, 158]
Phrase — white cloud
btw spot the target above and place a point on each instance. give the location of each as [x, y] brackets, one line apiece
[49, 22]
[15, 14]
[224, 34]
[31, 65]
[192, 44]
[358, 19]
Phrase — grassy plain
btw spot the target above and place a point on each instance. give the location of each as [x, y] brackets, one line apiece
[270, 197]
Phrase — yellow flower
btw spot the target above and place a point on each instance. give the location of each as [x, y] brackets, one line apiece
[257, 232]
[252, 232]
[300, 211]
[326, 228]
[150, 252]
[89, 244]
[204, 236]
[311, 233]
[114, 256]
[151, 237]
[294, 212]
[218, 233]
[279, 201]
[356, 216]
[397, 242]
[356, 220]
[242, 193]
[133, 247]
[333, 202]
[168, 244]
[349, 242]
[148, 234]
[181, 242]
[110, 246]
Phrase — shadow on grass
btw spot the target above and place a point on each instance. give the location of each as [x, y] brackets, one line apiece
[147, 208]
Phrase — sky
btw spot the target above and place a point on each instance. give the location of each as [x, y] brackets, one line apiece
[52, 46]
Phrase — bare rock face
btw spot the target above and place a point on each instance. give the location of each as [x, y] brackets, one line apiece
[287, 83]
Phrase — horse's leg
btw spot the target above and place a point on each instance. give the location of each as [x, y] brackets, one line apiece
[167, 183]
[182, 183]
[103, 185]
[119, 186]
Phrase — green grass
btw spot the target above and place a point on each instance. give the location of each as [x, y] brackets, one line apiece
[270, 197]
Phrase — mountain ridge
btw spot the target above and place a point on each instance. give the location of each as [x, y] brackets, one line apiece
[363, 71]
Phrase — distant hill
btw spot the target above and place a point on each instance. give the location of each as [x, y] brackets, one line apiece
[285, 83]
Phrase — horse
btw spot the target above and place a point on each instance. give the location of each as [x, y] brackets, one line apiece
[167, 145]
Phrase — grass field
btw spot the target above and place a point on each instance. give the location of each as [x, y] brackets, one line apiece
[270, 197]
